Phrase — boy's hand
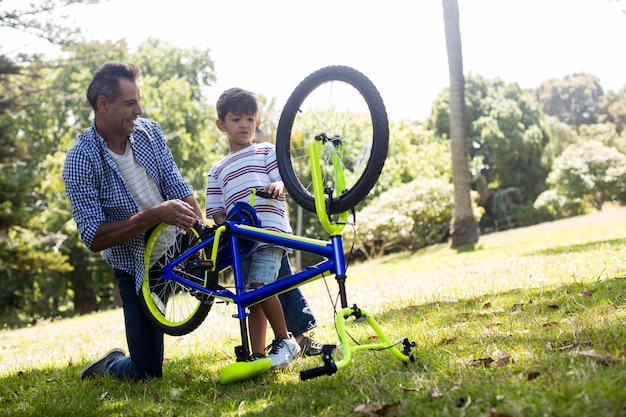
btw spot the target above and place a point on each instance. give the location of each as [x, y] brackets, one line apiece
[275, 189]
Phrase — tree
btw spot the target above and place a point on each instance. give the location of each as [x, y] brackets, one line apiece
[508, 138]
[464, 229]
[613, 108]
[511, 139]
[575, 100]
[172, 85]
[27, 251]
[560, 136]
[591, 171]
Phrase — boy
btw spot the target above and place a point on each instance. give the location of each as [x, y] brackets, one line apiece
[247, 166]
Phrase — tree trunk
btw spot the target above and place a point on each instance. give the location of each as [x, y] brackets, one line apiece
[84, 298]
[464, 229]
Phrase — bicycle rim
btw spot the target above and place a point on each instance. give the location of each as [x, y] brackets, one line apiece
[174, 308]
[340, 103]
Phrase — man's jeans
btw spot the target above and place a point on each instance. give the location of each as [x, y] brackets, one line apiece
[145, 342]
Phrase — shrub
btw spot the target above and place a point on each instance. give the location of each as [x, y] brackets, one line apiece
[408, 217]
[558, 206]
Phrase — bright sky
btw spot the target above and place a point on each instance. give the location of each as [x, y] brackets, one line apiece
[269, 46]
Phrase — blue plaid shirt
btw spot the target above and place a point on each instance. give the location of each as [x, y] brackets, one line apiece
[98, 193]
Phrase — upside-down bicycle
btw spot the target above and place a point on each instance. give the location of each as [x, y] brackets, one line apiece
[331, 146]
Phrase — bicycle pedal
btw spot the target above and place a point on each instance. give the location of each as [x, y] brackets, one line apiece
[199, 265]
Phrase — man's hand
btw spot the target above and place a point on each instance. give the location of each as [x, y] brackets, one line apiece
[178, 213]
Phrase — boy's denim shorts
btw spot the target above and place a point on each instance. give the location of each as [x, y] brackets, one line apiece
[262, 265]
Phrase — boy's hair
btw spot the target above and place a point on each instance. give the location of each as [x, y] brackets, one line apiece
[106, 81]
[238, 102]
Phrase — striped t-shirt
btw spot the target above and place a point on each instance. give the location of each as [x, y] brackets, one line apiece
[231, 179]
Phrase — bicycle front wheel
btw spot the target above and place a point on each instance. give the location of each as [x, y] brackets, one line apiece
[175, 308]
[342, 107]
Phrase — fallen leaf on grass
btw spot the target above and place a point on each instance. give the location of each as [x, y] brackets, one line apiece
[377, 409]
[592, 353]
[503, 358]
[449, 340]
[564, 345]
[533, 375]
[600, 358]
[435, 393]
[157, 399]
[494, 413]
[463, 402]
[587, 293]
[480, 361]
[403, 388]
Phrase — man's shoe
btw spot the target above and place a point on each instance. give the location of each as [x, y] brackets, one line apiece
[310, 347]
[282, 351]
[98, 366]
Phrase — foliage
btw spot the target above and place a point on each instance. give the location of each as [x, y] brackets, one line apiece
[575, 99]
[592, 171]
[560, 135]
[407, 217]
[507, 134]
[173, 81]
[604, 133]
[413, 153]
[31, 266]
[613, 107]
[35, 18]
[556, 206]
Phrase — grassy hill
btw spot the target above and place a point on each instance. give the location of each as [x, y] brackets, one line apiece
[529, 322]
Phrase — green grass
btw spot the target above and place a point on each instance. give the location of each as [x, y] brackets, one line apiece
[529, 322]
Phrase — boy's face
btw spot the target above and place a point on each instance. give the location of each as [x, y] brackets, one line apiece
[240, 129]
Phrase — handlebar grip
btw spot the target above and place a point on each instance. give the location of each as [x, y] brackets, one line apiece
[263, 194]
[326, 369]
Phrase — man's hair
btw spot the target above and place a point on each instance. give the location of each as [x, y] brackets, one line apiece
[105, 81]
[238, 102]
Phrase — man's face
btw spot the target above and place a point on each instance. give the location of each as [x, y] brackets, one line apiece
[121, 113]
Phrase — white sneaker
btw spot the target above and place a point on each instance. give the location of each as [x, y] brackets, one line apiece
[282, 351]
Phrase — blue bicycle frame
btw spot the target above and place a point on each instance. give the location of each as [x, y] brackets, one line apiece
[227, 244]
[331, 250]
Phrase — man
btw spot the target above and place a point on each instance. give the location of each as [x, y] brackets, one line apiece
[121, 180]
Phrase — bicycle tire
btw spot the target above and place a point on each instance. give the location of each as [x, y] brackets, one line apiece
[174, 308]
[354, 112]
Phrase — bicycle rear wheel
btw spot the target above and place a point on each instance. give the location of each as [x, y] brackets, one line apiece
[343, 105]
[174, 308]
